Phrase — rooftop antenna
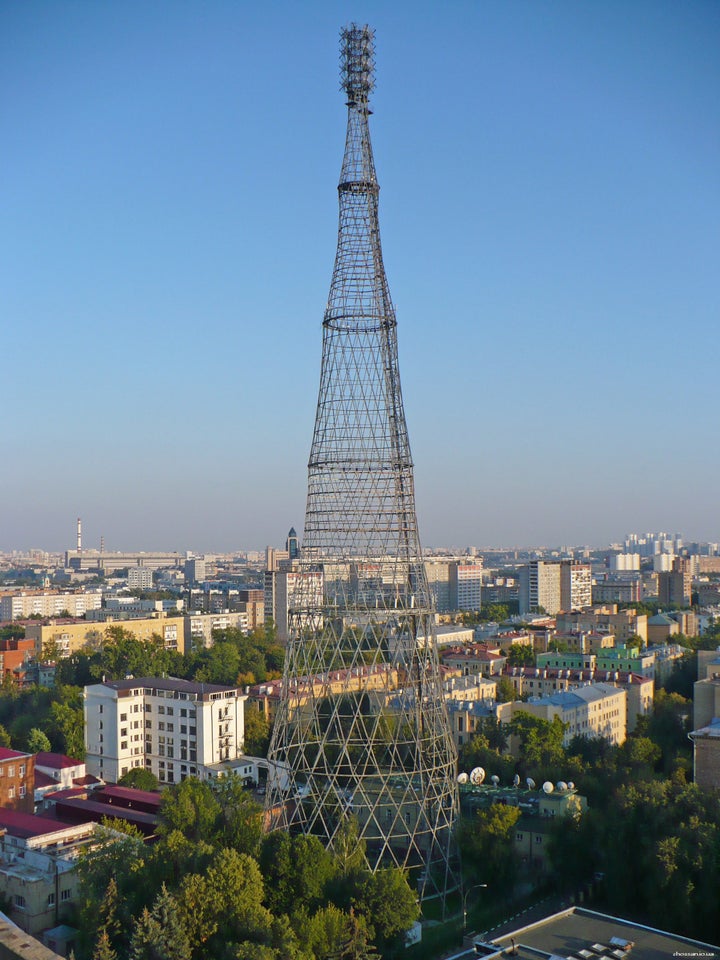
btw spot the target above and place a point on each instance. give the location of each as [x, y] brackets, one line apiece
[79, 535]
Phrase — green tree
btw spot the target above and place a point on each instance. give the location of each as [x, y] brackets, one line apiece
[140, 778]
[103, 948]
[257, 734]
[38, 742]
[192, 808]
[68, 718]
[388, 904]
[5, 740]
[541, 741]
[487, 842]
[521, 655]
[159, 934]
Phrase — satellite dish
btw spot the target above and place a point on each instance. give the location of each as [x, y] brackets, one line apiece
[548, 787]
[561, 785]
[495, 779]
[462, 778]
[477, 776]
[516, 780]
[530, 783]
[571, 785]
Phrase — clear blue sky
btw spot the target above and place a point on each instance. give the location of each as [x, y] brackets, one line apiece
[550, 213]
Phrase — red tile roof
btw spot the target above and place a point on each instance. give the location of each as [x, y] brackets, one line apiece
[26, 825]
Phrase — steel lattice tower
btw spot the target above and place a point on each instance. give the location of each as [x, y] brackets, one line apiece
[361, 726]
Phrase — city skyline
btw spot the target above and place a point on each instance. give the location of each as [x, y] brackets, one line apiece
[549, 199]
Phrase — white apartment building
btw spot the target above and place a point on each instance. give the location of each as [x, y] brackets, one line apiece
[199, 627]
[174, 728]
[20, 606]
[566, 585]
[466, 585]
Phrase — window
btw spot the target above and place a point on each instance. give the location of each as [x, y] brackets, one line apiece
[170, 711]
[148, 708]
[64, 895]
[161, 709]
[123, 717]
[161, 725]
[11, 793]
[51, 900]
[123, 744]
[22, 790]
[100, 708]
[19, 901]
[171, 727]
[22, 769]
[11, 771]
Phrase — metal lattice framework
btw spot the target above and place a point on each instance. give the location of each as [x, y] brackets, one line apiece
[361, 726]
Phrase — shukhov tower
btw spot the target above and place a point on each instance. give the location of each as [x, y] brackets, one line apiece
[361, 727]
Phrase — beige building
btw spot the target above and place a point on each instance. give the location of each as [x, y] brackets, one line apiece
[597, 710]
[199, 627]
[475, 659]
[37, 861]
[73, 635]
[606, 618]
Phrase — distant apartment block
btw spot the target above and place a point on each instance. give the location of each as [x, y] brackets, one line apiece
[675, 585]
[476, 659]
[617, 590]
[284, 588]
[20, 606]
[175, 728]
[555, 586]
[199, 627]
[140, 578]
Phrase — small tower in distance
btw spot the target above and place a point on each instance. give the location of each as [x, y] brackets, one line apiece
[361, 727]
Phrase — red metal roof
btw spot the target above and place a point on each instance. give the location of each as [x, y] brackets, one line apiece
[56, 761]
[26, 825]
[7, 754]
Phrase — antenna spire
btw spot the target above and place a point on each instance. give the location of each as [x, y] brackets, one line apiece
[357, 62]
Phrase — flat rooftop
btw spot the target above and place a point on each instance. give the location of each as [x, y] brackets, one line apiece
[579, 934]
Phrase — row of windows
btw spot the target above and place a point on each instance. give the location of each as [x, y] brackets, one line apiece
[11, 770]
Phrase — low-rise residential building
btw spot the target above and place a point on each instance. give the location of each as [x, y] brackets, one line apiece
[15, 657]
[474, 659]
[37, 860]
[624, 625]
[69, 636]
[586, 642]
[666, 655]
[175, 728]
[17, 774]
[598, 711]
[661, 628]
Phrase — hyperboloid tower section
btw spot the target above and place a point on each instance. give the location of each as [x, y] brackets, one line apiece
[361, 728]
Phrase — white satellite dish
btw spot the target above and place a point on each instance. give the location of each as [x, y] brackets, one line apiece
[571, 785]
[530, 783]
[548, 787]
[516, 780]
[495, 779]
[561, 785]
[462, 778]
[477, 776]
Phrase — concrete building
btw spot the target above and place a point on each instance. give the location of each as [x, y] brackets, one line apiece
[175, 728]
[575, 585]
[466, 585]
[37, 867]
[706, 701]
[661, 627]
[540, 587]
[140, 578]
[32, 603]
[195, 570]
[199, 627]
[285, 587]
[617, 590]
[110, 562]
[675, 585]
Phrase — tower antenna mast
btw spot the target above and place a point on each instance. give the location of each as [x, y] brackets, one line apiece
[362, 728]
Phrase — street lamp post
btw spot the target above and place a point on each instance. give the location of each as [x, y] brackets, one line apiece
[465, 895]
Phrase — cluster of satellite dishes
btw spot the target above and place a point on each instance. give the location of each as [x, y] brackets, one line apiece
[477, 776]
